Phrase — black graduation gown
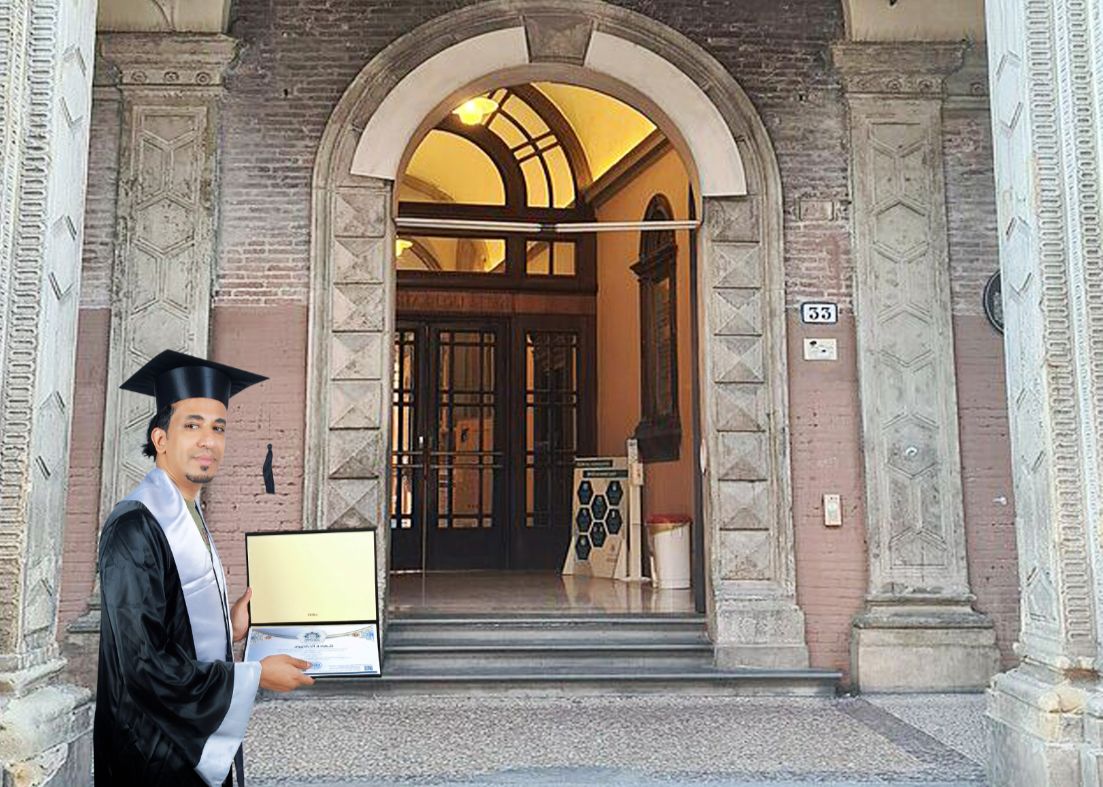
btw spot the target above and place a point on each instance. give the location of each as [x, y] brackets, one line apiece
[157, 704]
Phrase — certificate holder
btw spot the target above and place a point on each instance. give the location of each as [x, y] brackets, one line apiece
[314, 598]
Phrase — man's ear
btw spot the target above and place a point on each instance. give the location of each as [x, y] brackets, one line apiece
[159, 437]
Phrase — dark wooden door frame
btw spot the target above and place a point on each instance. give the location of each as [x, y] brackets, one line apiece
[435, 553]
[697, 533]
[586, 439]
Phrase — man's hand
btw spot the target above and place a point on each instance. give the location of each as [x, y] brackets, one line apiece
[239, 615]
[283, 673]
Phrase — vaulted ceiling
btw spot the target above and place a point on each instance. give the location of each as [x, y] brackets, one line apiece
[866, 20]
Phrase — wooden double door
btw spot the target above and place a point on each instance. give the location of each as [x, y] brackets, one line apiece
[488, 416]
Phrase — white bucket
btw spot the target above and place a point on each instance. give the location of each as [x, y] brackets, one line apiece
[669, 543]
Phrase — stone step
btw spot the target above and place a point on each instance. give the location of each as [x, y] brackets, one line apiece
[535, 629]
[500, 654]
[683, 681]
[563, 654]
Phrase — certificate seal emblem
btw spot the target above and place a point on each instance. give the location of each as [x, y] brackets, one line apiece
[312, 637]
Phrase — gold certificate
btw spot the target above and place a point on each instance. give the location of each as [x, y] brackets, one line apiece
[325, 576]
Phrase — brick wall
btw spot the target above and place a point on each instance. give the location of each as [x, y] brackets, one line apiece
[824, 419]
[269, 341]
[297, 58]
[979, 361]
[99, 210]
[82, 515]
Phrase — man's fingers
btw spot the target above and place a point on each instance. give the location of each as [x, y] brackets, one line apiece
[300, 663]
[306, 680]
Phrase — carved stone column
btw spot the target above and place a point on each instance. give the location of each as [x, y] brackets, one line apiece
[755, 620]
[170, 86]
[919, 630]
[1046, 70]
[45, 96]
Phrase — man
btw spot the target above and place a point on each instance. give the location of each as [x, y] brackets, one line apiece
[172, 706]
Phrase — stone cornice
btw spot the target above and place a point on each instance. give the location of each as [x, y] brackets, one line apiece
[168, 59]
[897, 69]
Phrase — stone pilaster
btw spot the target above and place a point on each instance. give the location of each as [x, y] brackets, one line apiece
[45, 94]
[353, 309]
[1046, 62]
[170, 86]
[755, 620]
[918, 630]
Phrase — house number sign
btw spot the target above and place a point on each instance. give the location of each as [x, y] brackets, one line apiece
[819, 313]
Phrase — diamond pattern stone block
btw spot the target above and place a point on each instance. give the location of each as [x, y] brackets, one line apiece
[905, 337]
[356, 356]
[356, 453]
[745, 555]
[358, 307]
[732, 218]
[901, 230]
[744, 505]
[912, 447]
[358, 260]
[737, 359]
[355, 405]
[740, 407]
[737, 312]
[741, 456]
[352, 504]
[737, 264]
[360, 213]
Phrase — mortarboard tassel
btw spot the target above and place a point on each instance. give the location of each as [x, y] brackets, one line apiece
[269, 481]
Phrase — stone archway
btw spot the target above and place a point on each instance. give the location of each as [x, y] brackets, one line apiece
[751, 594]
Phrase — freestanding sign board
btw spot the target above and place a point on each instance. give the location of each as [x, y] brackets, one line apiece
[600, 524]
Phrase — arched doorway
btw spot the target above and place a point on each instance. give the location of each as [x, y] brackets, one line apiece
[747, 543]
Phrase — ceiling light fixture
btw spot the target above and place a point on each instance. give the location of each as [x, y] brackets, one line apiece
[400, 245]
[473, 111]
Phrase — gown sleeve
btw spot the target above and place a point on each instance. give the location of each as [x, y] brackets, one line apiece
[191, 702]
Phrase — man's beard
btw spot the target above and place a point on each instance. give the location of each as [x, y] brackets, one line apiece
[199, 479]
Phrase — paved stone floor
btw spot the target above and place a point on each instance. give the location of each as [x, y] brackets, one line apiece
[629, 740]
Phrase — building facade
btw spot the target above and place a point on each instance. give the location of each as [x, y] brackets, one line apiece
[256, 176]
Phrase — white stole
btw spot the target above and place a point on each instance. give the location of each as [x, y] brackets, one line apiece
[204, 585]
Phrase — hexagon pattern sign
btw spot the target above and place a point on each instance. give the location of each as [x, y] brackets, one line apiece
[599, 537]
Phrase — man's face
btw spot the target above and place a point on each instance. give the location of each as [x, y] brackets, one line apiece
[193, 445]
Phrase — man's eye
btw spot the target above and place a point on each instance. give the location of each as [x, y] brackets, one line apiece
[220, 428]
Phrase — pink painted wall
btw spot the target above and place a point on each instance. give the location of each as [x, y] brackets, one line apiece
[826, 458]
[669, 485]
[82, 516]
[986, 477]
[270, 341]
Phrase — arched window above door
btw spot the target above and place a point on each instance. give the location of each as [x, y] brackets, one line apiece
[504, 157]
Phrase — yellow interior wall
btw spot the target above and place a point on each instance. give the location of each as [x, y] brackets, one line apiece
[668, 485]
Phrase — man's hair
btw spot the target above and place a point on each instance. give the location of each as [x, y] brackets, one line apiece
[159, 421]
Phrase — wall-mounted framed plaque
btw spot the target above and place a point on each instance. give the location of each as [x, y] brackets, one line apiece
[993, 302]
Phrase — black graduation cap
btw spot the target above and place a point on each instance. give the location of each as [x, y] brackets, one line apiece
[172, 376]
